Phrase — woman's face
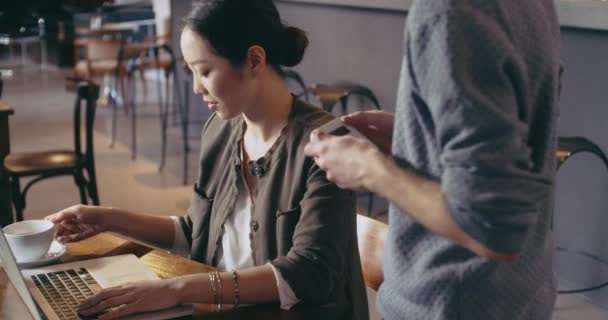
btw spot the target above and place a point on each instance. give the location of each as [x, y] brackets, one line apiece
[226, 89]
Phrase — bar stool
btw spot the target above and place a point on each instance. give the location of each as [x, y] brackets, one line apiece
[148, 56]
[566, 148]
[330, 95]
[46, 164]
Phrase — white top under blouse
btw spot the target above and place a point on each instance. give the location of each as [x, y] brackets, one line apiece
[236, 251]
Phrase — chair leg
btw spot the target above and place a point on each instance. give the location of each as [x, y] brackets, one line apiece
[370, 204]
[133, 86]
[81, 183]
[124, 93]
[344, 104]
[164, 111]
[144, 86]
[114, 111]
[92, 185]
[18, 198]
[185, 130]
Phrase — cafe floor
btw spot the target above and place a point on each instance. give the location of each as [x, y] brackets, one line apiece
[43, 120]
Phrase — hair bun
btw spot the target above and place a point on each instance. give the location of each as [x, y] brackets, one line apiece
[295, 43]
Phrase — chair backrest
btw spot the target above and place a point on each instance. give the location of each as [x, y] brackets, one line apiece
[568, 146]
[87, 93]
[371, 235]
[365, 92]
[103, 49]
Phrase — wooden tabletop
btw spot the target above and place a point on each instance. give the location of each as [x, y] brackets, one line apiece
[165, 265]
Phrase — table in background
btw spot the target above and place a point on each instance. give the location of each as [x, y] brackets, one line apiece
[6, 211]
[165, 265]
[23, 40]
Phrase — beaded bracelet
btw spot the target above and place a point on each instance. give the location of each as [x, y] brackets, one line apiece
[237, 291]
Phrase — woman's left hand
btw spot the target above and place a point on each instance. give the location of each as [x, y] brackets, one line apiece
[349, 162]
[131, 298]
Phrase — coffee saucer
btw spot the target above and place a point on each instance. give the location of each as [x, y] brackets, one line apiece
[56, 251]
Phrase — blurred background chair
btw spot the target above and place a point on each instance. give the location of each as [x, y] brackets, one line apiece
[330, 95]
[567, 147]
[46, 164]
[371, 235]
[97, 57]
[150, 56]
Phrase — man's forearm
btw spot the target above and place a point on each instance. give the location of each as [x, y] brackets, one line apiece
[154, 230]
[423, 200]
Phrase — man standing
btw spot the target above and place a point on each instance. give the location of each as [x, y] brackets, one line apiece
[470, 178]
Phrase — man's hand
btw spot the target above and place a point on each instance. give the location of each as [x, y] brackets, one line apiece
[348, 161]
[377, 126]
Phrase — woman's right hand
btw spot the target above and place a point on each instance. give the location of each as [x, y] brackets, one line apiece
[79, 222]
[376, 125]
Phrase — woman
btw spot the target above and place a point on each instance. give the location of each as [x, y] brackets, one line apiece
[260, 206]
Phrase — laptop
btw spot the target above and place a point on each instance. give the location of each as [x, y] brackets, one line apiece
[54, 292]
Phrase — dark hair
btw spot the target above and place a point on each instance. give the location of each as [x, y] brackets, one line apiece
[233, 26]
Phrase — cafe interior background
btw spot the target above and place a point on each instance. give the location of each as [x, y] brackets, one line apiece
[146, 144]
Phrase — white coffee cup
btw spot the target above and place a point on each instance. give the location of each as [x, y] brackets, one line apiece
[30, 240]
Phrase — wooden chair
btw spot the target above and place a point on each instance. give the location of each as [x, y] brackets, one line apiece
[330, 95]
[100, 57]
[371, 235]
[47, 164]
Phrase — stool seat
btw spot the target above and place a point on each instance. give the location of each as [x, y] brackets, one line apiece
[328, 95]
[32, 163]
[84, 69]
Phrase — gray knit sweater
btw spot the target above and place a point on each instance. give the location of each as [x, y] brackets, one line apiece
[477, 110]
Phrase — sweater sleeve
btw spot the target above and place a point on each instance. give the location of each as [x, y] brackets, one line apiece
[474, 81]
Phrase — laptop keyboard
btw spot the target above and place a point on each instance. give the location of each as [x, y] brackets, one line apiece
[64, 290]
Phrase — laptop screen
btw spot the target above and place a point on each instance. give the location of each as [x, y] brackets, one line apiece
[15, 276]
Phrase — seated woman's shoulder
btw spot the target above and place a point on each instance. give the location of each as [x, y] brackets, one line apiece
[309, 116]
